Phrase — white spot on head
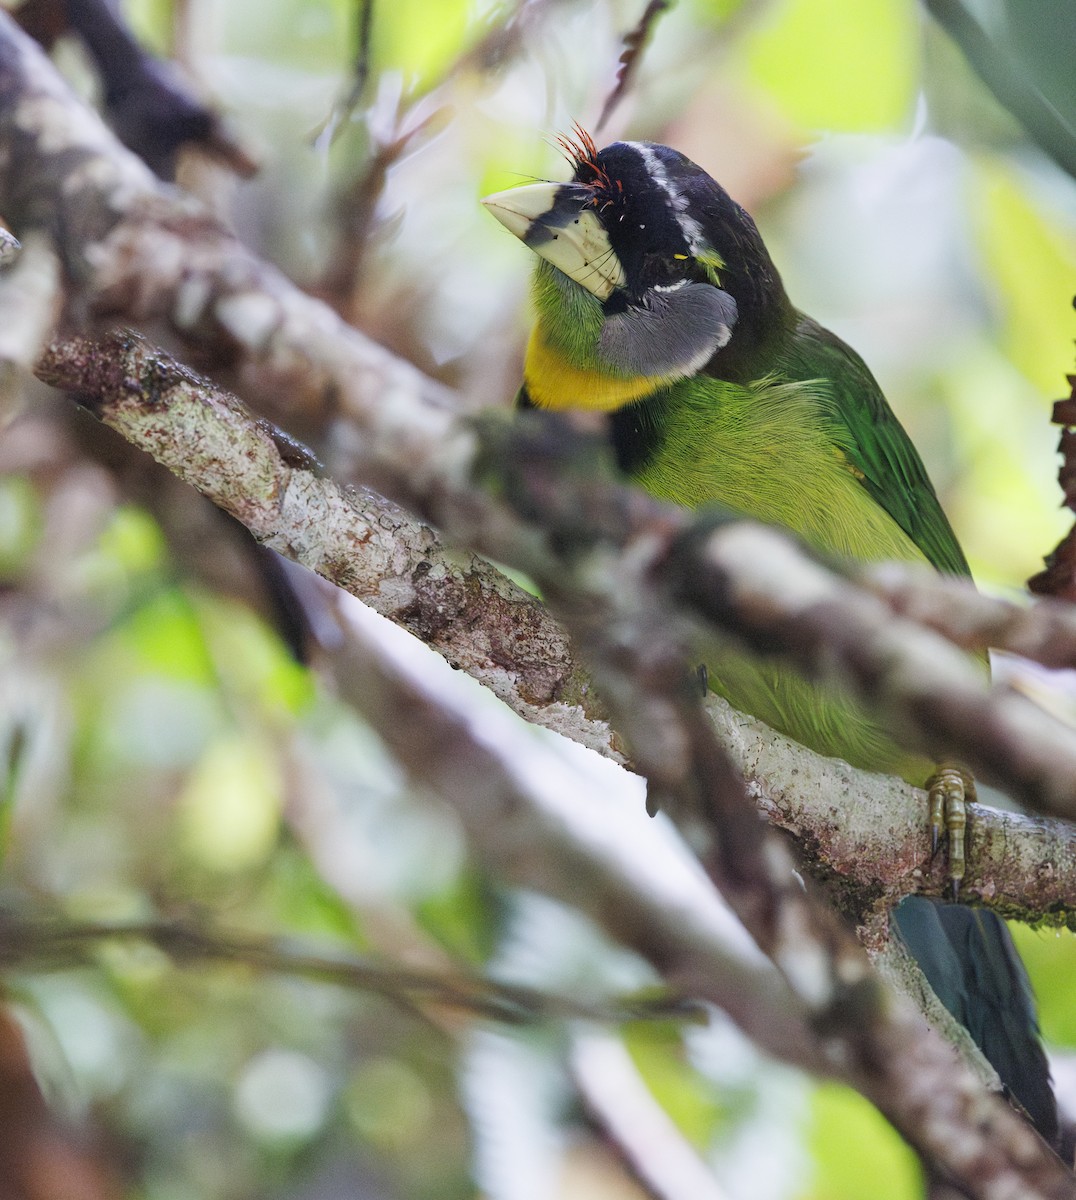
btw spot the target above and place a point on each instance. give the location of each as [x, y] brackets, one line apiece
[655, 168]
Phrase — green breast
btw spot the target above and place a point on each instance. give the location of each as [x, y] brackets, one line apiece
[767, 450]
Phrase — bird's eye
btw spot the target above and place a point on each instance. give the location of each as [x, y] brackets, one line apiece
[660, 270]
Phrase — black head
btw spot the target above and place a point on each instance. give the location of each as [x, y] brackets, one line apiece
[676, 272]
[667, 220]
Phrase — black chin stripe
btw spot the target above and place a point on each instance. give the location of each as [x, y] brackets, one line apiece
[633, 430]
[636, 433]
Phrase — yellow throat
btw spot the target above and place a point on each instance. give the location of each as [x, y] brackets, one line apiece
[554, 382]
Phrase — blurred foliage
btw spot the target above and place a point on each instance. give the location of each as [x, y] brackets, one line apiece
[840, 67]
[852, 1143]
[163, 754]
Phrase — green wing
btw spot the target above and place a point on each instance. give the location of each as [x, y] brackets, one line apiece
[874, 442]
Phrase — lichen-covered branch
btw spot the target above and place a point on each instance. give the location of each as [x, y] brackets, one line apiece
[454, 601]
[489, 627]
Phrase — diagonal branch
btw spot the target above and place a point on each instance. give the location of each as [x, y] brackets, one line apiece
[490, 628]
[865, 1035]
[564, 527]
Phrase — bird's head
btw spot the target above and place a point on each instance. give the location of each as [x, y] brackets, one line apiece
[648, 267]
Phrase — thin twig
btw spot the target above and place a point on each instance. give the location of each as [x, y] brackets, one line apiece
[55, 943]
[343, 109]
[634, 44]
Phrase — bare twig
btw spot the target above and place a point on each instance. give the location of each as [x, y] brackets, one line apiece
[634, 45]
[344, 108]
[29, 943]
[396, 133]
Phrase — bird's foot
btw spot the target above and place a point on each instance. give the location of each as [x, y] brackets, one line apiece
[949, 790]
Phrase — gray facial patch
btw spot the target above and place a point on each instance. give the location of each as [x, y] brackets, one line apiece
[673, 331]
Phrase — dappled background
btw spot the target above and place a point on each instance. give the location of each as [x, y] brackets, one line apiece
[168, 761]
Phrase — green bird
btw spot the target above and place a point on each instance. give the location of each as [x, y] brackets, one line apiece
[658, 304]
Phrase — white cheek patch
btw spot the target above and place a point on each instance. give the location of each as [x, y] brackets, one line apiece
[553, 222]
[582, 251]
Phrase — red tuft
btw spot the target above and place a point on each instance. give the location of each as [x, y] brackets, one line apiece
[581, 152]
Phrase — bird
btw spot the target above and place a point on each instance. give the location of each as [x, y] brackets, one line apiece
[658, 305]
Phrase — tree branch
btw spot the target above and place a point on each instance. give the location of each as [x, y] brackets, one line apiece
[865, 1035]
[490, 628]
[542, 837]
[817, 958]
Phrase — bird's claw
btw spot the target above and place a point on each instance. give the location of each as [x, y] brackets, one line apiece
[949, 789]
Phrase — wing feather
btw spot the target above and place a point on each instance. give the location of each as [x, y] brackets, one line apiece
[867, 432]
